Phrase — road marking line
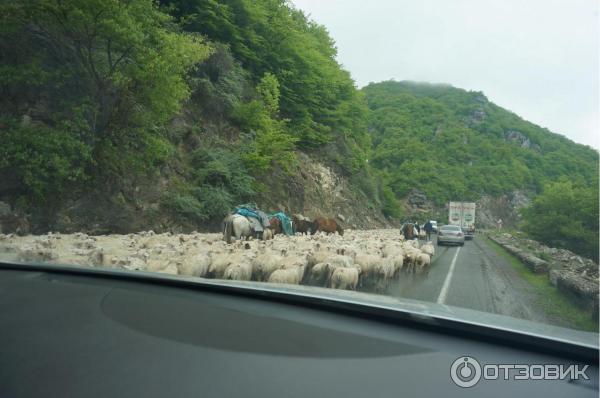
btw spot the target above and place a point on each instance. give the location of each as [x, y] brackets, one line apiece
[444, 292]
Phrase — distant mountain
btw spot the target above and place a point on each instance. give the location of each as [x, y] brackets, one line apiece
[456, 144]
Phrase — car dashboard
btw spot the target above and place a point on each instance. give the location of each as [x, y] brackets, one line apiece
[83, 333]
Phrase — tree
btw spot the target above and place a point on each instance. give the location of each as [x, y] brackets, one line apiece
[565, 215]
[269, 142]
[104, 74]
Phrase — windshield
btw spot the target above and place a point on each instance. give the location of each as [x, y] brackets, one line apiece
[311, 144]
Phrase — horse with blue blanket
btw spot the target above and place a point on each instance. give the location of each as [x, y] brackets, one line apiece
[246, 221]
[280, 223]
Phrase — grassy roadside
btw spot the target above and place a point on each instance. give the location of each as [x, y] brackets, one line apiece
[555, 304]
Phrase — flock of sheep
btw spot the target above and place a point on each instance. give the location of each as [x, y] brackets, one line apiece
[368, 259]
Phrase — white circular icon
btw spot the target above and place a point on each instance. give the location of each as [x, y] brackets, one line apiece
[465, 372]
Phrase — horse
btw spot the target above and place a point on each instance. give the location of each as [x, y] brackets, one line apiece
[275, 223]
[301, 224]
[238, 226]
[327, 225]
[408, 230]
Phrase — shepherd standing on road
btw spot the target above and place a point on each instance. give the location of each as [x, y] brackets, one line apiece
[428, 227]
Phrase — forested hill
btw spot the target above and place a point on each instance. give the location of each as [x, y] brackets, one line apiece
[117, 116]
[129, 114]
[452, 143]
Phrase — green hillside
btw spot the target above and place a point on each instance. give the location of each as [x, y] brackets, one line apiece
[451, 143]
[457, 145]
[91, 89]
[121, 115]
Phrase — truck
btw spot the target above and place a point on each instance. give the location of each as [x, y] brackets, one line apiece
[462, 214]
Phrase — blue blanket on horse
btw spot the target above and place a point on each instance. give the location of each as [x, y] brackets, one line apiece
[253, 213]
[286, 223]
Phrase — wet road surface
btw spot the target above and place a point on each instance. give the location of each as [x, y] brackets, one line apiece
[473, 276]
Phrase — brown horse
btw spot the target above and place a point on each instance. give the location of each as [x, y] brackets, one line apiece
[301, 224]
[327, 225]
[408, 230]
[275, 225]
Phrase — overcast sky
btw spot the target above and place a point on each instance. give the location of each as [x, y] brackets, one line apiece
[537, 58]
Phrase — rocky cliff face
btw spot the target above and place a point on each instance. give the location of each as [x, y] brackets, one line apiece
[520, 139]
[319, 191]
[504, 207]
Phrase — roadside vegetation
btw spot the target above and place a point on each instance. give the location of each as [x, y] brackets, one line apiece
[556, 305]
[565, 215]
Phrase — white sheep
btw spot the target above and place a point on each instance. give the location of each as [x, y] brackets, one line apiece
[320, 273]
[344, 278]
[410, 257]
[411, 243]
[390, 250]
[220, 262]
[291, 276]
[368, 263]
[347, 250]
[422, 263]
[340, 260]
[397, 261]
[295, 260]
[385, 269]
[241, 271]
[428, 248]
[170, 269]
[196, 265]
[265, 263]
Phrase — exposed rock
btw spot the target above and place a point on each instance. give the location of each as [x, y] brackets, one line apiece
[534, 263]
[518, 200]
[505, 207]
[584, 291]
[417, 198]
[520, 139]
[477, 116]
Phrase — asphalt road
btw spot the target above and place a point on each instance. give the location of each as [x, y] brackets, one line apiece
[473, 276]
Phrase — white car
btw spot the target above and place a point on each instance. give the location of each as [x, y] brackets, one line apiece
[450, 234]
